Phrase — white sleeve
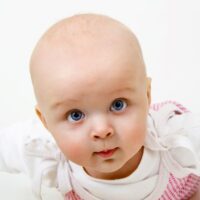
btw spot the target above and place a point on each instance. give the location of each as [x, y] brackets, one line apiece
[28, 147]
[11, 147]
[176, 134]
[189, 124]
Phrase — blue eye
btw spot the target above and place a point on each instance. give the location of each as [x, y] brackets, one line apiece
[118, 105]
[75, 115]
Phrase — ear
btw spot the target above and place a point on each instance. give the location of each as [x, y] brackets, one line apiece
[149, 89]
[40, 115]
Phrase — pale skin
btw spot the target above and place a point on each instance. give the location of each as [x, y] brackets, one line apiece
[93, 93]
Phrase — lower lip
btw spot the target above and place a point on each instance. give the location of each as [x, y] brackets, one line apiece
[106, 154]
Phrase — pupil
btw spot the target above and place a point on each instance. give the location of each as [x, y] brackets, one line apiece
[118, 105]
[76, 115]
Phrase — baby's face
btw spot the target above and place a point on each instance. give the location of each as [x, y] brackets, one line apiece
[95, 103]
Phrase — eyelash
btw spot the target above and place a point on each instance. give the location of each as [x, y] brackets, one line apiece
[77, 111]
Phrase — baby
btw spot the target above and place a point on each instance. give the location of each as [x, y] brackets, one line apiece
[104, 140]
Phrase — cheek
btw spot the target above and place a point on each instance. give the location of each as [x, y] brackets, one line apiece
[135, 133]
[73, 148]
[133, 130]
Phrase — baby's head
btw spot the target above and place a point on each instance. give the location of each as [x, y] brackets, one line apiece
[92, 93]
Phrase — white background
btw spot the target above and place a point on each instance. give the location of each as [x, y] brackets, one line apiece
[168, 30]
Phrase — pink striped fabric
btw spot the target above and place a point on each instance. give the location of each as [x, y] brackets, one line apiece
[157, 106]
[177, 189]
[72, 196]
[180, 189]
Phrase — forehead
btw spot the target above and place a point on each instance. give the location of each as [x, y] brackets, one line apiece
[72, 65]
[97, 75]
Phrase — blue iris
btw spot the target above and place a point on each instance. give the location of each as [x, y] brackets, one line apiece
[75, 115]
[118, 105]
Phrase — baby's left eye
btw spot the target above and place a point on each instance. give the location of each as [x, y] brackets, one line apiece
[118, 105]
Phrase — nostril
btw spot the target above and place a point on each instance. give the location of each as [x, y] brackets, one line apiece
[108, 134]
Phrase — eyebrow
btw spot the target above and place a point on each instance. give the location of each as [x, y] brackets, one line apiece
[129, 89]
[72, 100]
[57, 104]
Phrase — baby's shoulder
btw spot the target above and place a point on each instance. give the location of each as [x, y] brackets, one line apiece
[167, 109]
[175, 132]
[170, 119]
[170, 116]
[45, 162]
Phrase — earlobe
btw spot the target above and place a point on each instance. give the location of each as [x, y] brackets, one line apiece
[40, 115]
[149, 89]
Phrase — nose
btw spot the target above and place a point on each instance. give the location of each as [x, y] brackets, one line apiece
[102, 129]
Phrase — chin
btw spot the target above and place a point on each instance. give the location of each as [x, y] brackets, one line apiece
[111, 167]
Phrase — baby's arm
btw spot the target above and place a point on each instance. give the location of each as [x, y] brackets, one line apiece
[28, 147]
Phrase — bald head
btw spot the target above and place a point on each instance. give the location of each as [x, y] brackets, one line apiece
[78, 40]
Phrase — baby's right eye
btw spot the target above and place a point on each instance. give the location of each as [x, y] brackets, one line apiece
[75, 115]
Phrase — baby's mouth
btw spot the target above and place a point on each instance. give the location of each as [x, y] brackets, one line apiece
[107, 153]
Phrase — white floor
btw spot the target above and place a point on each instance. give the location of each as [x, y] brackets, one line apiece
[17, 187]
